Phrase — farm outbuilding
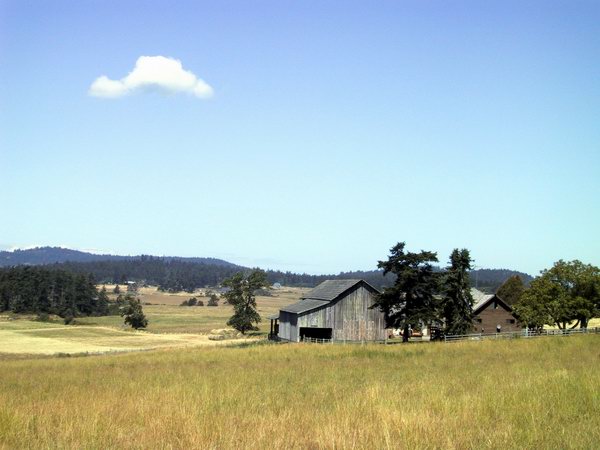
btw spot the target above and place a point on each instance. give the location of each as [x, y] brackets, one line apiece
[492, 314]
[337, 310]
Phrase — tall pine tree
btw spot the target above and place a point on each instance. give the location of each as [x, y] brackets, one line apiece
[411, 300]
[457, 302]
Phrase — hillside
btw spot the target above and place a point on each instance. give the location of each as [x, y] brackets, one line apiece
[489, 280]
[176, 273]
[51, 255]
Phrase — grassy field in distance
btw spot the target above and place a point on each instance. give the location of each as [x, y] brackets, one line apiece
[166, 316]
[169, 325]
[20, 337]
[538, 393]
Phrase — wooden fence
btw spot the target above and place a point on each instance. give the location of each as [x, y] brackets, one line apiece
[316, 340]
[521, 334]
[524, 334]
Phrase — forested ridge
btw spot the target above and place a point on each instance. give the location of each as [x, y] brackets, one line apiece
[187, 274]
[51, 255]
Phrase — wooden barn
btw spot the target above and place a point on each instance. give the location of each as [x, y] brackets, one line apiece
[336, 309]
[492, 314]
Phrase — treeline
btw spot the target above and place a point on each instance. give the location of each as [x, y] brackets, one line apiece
[490, 280]
[43, 290]
[174, 275]
[168, 274]
[374, 277]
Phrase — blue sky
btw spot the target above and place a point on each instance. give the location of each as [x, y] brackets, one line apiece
[334, 130]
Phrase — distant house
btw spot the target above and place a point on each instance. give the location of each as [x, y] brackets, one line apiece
[336, 309]
[491, 314]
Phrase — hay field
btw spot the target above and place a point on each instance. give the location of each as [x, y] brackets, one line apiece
[166, 316]
[170, 325]
[538, 393]
[20, 337]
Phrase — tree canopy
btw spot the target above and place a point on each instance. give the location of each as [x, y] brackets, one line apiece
[241, 296]
[457, 302]
[26, 289]
[411, 298]
[511, 290]
[133, 313]
[568, 292]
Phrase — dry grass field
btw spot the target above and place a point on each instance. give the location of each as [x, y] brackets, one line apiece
[166, 316]
[20, 337]
[170, 325]
[518, 394]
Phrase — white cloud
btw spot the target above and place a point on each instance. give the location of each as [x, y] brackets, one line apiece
[152, 72]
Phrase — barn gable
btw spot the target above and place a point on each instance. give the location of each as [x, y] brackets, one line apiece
[491, 312]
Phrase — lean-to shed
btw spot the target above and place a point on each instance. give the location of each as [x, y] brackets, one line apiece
[339, 310]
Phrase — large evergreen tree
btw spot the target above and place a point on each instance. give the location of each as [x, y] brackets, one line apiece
[241, 297]
[457, 302]
[102, 307]
[411, 299]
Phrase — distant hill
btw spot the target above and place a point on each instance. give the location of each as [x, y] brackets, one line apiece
[51, 255]
[489, 280]
[180, 273]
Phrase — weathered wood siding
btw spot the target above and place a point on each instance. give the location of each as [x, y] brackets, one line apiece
[495, 313]
[288, 328]
[350, 318]
[354, 320]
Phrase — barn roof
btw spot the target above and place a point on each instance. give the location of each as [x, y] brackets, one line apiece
[323, 294]
[329, 290]
[480, 299]
[304, 305]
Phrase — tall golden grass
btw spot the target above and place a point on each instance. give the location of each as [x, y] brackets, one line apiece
[541, 393]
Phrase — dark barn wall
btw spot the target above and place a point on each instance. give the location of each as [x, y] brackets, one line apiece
[288, 328]
[495, 313]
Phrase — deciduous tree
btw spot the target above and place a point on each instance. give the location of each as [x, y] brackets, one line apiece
[241, 296]
[133, 313]
[568, 292]
[511, 290]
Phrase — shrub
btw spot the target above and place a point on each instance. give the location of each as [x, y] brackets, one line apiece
[69, 319]
[191, 302]
[43, 317]
[213, 300]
